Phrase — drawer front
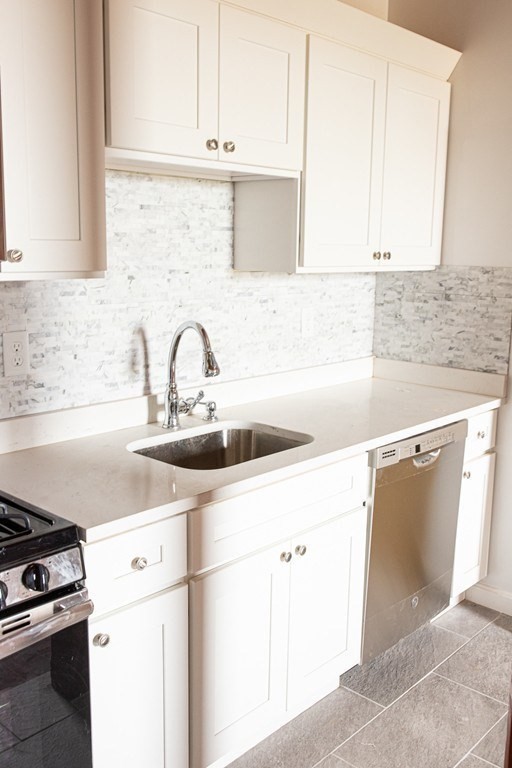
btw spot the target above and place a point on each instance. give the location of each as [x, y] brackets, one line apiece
[236, 527]
[481, 434]
[136, 564]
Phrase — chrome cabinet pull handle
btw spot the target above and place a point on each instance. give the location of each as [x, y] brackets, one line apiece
[14, 255]
[480, 435]
[229, 146]
[376, 255]
[466, 475]
[101, 640]
[301, 550]
[212, 144]
[286, 557]
[139, 563]
[386, 255]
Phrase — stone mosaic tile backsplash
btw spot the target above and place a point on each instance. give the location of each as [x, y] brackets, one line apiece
[459, 317]
[170, 256]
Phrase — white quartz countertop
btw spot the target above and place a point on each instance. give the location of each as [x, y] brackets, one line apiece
[106, 489]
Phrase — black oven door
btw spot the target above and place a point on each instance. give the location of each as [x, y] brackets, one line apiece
[44, 693]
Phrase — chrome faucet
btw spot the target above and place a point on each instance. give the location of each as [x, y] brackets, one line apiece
[174, 405]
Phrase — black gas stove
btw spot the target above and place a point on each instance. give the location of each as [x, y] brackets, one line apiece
[44, 673]
[40, 555]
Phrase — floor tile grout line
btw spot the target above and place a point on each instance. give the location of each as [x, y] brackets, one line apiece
[474, 690]
[366, 698]
[470, 752]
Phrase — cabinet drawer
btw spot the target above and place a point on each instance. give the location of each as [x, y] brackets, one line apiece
[117, 573]
[236, 527]
[481, 434]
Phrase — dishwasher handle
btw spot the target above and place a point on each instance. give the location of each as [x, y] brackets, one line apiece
[427, 459]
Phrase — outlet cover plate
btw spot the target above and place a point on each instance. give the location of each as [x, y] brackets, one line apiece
[15, 353]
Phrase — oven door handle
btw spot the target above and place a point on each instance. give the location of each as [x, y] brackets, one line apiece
[66, 612]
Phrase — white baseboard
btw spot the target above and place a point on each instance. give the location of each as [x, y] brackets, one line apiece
[498, 599]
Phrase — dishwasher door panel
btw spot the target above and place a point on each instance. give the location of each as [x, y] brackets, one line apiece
[414, 521]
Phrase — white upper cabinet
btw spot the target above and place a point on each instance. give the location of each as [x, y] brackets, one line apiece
[204, 81]
[375, 162]
[51, 81]
[414, 167]
[161, 65]
[344, 155]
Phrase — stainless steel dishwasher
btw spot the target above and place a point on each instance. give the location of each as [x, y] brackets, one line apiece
[414, 507]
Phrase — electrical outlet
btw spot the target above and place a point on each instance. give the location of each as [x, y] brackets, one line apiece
[15, 348]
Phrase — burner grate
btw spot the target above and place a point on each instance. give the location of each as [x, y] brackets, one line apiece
[13, 524]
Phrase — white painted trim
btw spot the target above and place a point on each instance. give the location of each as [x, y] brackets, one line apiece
[489, 384]
[498, 599]
[132, 160]
[361, 30]
[34, 430]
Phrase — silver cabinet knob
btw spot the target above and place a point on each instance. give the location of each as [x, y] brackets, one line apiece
[480, 435]
[301, 550]
[386, 255]
[101, 640]
[376, 255]
[466, 475]
[286, 557]
[14, 255]
[229, 146]
[139, 563]
[212, 144]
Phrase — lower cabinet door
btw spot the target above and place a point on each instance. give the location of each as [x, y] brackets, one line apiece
[326, 607]
[474, 523]
[239, 622]
[139, 684]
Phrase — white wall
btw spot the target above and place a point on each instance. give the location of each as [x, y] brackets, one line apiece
[478, 220]
[478, 214]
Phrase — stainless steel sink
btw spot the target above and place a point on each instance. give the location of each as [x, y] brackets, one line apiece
[223, 446]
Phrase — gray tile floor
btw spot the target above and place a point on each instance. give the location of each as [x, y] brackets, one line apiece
[438, 699]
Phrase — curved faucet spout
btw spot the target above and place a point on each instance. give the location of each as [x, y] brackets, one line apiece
[210, 368]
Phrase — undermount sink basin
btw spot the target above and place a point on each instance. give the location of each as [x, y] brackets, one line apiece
[224, 445]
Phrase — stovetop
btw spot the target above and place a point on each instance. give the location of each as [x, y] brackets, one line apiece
[27, 532]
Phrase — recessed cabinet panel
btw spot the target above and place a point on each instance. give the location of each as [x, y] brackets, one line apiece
[162, 70]
[326, 598]
[55, 216]
[474, 523]
[344, 154]
[262, 75]
[239, 623]
[51, 79]
[414, 167]
[139, 684]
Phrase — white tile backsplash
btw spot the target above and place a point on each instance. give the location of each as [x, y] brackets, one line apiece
[459, 317]
[170, 257]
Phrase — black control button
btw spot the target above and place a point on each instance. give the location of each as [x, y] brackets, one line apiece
[37, 577]
[3, 595]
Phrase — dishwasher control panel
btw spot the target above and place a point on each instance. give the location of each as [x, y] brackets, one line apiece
[414, 446]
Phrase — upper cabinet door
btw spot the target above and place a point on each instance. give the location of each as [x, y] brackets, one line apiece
[344, 156]
[51, 81]
[414, 167]
[261, 100]
[162, 63]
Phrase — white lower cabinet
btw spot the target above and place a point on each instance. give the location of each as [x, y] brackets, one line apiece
[270, 635]
[139, 684]
[474, 523]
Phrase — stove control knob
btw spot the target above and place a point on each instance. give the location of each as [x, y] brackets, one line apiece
[37, 577]
[3, 595]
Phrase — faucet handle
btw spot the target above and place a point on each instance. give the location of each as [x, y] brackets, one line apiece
[190, 403]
